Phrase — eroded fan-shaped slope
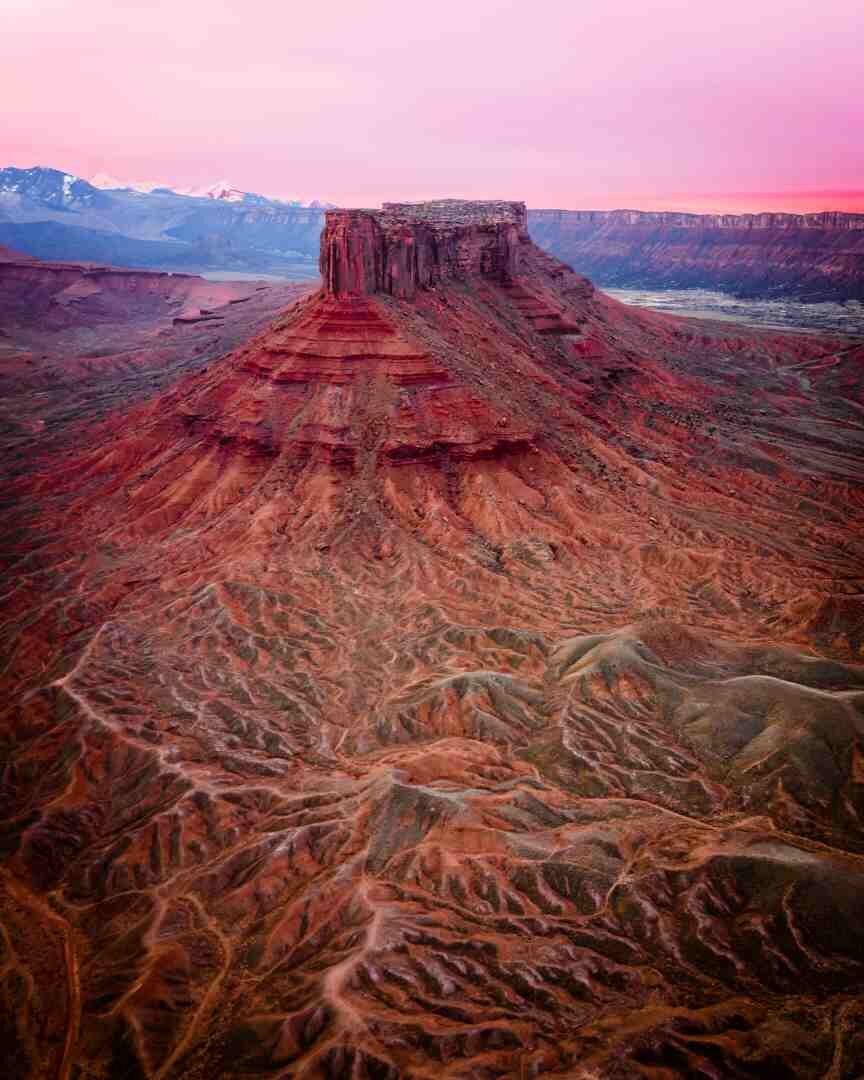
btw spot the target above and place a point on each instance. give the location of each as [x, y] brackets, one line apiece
[462, 677]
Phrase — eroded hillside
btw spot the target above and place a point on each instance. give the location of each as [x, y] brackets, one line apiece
[460, 676]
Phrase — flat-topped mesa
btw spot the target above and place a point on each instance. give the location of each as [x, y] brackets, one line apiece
[409, 246]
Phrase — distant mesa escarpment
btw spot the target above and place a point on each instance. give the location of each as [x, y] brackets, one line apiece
[39, 297]
[7, 255]
[781, 222]
[445, 672]
[816, 256]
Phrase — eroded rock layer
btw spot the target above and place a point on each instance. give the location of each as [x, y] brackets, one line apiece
[462, 680]
[815, 257]
[401, 249]
[39, 297]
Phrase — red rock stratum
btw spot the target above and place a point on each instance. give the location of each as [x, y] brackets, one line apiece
[459, 676]
[809, 256]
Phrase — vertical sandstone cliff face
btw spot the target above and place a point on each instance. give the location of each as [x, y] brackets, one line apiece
[405, 247]
[351, 251]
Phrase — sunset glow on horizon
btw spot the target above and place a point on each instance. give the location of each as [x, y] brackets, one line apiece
[751, 106]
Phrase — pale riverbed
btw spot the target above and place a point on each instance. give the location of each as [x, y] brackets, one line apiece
[847, 317]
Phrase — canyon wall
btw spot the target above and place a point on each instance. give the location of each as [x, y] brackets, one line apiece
[399, 249]
[45, 297]
[806, 256]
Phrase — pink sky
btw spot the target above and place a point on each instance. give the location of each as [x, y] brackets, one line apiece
[745, 104]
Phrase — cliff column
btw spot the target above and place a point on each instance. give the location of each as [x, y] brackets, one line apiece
[409, 246]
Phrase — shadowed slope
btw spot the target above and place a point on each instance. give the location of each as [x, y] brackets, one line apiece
[462, 677]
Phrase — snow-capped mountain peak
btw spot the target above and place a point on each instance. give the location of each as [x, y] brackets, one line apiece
[110, 183]
[222, 189]
[50, 187]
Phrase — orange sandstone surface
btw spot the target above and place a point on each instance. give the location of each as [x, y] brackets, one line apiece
[448, 673]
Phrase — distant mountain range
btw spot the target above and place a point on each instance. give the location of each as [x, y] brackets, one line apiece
[58, 216]
[55, 215]
[221, 189]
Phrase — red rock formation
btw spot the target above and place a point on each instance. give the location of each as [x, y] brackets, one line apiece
[468, 685]
[49, 296]
[8, 255]
[811, 256]
[399, 250]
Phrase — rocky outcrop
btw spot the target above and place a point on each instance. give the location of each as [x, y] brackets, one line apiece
[809, 256]
[39, 296]
[409, 246]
